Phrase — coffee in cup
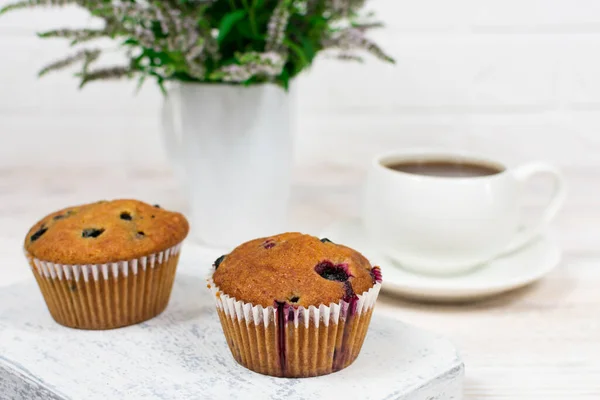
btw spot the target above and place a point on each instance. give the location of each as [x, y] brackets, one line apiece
[441, 212]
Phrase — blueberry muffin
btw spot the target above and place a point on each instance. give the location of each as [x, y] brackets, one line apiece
[293, 305]
[107, 264]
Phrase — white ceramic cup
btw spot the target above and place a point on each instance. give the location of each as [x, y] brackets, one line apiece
[449, 225]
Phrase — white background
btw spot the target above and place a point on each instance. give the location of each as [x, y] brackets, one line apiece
[516, 78]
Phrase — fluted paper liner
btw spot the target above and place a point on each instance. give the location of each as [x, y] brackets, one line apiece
[285, 341]
[107, 296]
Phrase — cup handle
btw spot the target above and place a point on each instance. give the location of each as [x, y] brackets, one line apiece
[172, 131]
[523, 174]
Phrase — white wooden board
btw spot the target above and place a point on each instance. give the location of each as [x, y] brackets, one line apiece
[182, 354]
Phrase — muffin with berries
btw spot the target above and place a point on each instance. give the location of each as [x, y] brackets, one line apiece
[107, 264]
[293, 305]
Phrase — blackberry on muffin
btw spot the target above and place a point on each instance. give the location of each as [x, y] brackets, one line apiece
[106, 264]
[307, 301]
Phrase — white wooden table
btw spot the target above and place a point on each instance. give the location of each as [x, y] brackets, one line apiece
[541, 343]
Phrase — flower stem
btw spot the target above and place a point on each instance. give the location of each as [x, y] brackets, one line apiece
[250, 10]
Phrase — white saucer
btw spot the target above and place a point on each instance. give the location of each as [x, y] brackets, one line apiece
[501, 275]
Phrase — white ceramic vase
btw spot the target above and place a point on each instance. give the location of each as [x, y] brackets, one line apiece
[232, 148]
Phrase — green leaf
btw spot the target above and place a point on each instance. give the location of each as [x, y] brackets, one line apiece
[299, 52]
[15, 6]
[160, 80]
[309, 49]
[228, 22]
[131, 42]
[161, 85]
[285, 79]
[244, 27]
[140, 83]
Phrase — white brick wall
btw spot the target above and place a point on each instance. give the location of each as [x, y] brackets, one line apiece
[518, 78]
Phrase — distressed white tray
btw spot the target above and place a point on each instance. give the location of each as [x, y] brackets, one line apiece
[182, 354]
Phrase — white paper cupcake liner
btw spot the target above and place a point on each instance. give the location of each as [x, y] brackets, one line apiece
[109, 295]
[51, 270]
[295, 342]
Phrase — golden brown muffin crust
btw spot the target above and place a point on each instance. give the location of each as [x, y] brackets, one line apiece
[295, 268]
[105, 231]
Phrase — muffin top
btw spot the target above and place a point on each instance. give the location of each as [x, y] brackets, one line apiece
[294, 268]
[105, 231]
